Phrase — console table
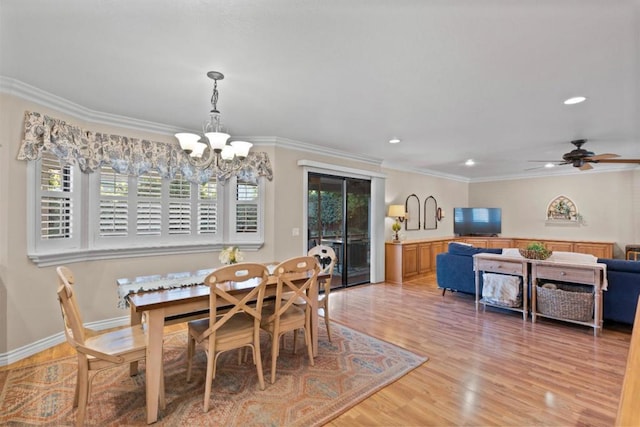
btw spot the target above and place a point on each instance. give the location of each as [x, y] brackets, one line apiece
[592, 274]
[504, 265]
[586, 274]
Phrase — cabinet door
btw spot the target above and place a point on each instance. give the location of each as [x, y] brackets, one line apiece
[559, 246]
[437, 248]
[424, 258]
[409, 261]
[478, 243]
[499, 243]
[600, 250]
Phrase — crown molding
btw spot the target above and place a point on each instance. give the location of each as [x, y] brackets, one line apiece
[27, 92]
[427, 172]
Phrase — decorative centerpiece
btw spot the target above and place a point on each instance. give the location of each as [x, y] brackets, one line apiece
[535, 250]
[230, 255]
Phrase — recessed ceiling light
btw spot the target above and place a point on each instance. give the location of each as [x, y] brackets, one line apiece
[394, 140]
[470, 162]
[575, 100]
[549, 165]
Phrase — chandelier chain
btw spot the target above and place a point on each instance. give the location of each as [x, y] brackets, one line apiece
[214, 97]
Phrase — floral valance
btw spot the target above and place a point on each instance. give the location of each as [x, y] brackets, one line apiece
[133, 156]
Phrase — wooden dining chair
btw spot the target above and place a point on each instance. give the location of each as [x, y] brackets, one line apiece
[326, 258]
[236, 327]
[283, 315]
[100, 350]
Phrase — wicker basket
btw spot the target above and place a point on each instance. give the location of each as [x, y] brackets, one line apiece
[573, 302]
[527, 253]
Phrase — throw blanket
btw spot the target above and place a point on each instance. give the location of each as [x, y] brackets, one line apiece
[501, 289]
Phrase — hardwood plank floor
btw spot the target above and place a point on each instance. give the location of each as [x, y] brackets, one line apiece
[484, 368]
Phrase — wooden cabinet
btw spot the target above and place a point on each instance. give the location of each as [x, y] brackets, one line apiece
[411, 260]
[597, 249]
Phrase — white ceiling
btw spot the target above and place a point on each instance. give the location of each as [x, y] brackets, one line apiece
[453, 79]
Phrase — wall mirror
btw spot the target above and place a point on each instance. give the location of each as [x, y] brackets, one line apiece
[412, 207]
[430, 213]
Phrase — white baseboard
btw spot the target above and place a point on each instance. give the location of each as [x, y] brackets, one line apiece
[45, 343]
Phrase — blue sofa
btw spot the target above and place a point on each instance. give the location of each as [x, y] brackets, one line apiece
[454, 271]
[454, 268]
[621, 298]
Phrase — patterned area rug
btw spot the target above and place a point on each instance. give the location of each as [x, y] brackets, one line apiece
[346, 371]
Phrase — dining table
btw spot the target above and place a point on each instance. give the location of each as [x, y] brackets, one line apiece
[183, 303]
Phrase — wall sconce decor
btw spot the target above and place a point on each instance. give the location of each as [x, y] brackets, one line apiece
[439, 214]
[398, 212]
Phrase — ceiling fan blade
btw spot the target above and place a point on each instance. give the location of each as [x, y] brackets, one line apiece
[603, 156]
[585, 167]
[618, 161]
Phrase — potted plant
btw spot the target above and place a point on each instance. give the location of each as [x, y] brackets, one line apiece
[396, 227]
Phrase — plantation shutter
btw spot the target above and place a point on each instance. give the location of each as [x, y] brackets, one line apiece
[246, 207]
[149, 205]
[114, 211]
[56, 203]
[179, 205]
[208, 207]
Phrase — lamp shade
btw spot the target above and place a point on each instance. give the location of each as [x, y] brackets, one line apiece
[217, 140]
[396, 211]
[188, 141]
[241, 148]
[198, 149]
[227, 153]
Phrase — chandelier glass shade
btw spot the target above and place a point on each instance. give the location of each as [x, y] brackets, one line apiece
[203, 152]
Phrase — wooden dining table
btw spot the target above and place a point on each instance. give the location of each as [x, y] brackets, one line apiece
[182, 304]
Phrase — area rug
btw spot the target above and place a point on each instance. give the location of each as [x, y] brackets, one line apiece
[347, 370]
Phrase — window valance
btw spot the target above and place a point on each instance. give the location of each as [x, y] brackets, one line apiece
[133, 156]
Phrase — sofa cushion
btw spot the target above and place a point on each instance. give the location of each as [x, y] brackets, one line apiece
[465, 250]
[621, 265]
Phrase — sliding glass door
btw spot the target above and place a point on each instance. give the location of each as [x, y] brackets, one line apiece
[338, 216]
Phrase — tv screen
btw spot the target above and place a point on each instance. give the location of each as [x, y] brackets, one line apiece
[477, 221]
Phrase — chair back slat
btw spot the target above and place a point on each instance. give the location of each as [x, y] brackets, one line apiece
[221, 283]
[289, 271]
[74, 328]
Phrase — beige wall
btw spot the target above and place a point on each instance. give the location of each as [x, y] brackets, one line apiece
[28, 308]
[607, 201]
[448, 194]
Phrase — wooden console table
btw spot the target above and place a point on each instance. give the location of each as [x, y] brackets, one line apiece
[495, 263]
[592, 274]
[586, 274]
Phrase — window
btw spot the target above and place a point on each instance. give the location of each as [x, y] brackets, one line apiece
[57, 218]
[246, 210]
[127, 215]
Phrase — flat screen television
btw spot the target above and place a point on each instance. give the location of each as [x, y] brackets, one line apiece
[477, 221]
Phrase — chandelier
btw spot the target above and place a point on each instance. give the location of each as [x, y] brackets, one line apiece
[225, 156]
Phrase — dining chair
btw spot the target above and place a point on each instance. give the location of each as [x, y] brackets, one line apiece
[283, 315]
[326, 258]
[237, 326]
[96, 351]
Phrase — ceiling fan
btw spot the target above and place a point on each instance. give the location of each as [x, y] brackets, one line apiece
[582, 159]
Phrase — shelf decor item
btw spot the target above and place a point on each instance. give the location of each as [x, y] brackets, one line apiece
[535, 250]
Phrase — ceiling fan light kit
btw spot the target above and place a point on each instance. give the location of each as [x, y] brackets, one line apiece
[582, 159]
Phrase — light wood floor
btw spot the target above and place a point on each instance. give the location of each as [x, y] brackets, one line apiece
[484, 368]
